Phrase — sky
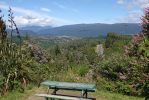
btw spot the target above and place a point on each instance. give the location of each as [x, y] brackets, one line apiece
[66, 12]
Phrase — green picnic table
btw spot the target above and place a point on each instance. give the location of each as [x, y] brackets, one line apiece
[83, 87]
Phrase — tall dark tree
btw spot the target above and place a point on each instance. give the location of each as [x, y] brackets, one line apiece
[3, 33]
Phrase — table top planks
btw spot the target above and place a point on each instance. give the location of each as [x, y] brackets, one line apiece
[70, 85]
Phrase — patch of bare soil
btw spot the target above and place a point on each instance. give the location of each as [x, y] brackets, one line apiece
[60, 92]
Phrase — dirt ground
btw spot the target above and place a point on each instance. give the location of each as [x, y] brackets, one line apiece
[40, 90]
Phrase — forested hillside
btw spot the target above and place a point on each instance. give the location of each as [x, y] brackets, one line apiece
[83, 30]
[92, 30]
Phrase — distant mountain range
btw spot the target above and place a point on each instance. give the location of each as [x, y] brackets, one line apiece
[83, 30]
[35, 28]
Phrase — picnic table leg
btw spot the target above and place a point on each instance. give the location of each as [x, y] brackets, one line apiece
[84, 93]
[55, 90]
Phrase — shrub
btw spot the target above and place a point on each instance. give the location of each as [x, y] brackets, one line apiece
[112, 67]
[82, 70]
[138, 51]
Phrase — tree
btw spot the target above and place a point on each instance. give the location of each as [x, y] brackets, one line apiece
[145, 22]
[57, 50]
[3, 33]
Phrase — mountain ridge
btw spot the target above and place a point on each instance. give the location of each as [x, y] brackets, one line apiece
[87, 30]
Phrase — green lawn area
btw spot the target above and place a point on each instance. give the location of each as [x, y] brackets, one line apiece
[16, 95]
[104, 95]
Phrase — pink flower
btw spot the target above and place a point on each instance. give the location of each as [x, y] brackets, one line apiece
[126, 49]
[136, 39]
[145, 22]
[147, 11]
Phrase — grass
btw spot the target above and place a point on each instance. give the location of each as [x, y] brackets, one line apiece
[104, 95]
[16, 95]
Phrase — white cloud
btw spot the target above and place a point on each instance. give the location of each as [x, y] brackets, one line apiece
[141, 3]
[134, 3]
[45, 9]
[30, 17]
[133, 17]
[120, 1]
[20, 10]
[29, 20]
[134, 9]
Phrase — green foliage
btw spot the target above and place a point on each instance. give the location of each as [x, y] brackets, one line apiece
[109, 40]
[91, 55]
[82, 70]
[112, 38]
[77, 58]
[104, 95]
[110, 69]
[17, 64]
[27, 37]
[138, 51]
[57, 50]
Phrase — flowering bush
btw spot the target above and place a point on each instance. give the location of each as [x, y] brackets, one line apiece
[145, 22]
[138, 50]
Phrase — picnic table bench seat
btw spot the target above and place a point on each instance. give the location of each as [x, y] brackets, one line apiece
[60, 97]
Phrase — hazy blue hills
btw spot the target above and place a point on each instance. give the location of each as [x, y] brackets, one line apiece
[84, 30]
[92, 30]
[22, 32]
[35, 28]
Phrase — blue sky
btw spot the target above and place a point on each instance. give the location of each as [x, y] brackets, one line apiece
[63, 12]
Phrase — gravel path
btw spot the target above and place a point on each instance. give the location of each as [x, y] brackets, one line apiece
[33, 97]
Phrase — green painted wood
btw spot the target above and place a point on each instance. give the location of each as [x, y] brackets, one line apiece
[70, 85]
[60, 97]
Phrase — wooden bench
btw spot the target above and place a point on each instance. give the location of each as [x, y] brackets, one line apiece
[49, 96]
